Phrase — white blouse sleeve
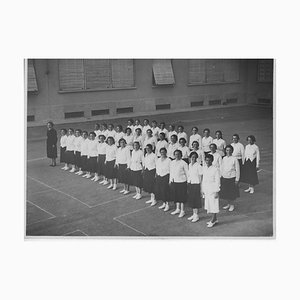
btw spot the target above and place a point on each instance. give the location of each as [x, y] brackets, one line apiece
[257, 157]
[237, 170]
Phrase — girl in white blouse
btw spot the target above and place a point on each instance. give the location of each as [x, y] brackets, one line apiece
[92, 156]
[172, 147]
[162, 179]
[181, 133]
[171, 132]
[138, 137]
[97, 130]
[230, 176]
[77, 149]
[210, 188]
[163, 129]
[184, 150]
[122, 163]
[200, 152]
[136, 166]
[155, 129]
[149, 139]
[220, 143]
[162, 143]
[251, 165]
[130, 124]
[119, 134]
[217, 162]
[128, 137]
[194, 181]
[103, 130]
[84, 154]
[70, 147]
[146, 126]
[149, 165]
[63, 147]
[110, 131]
[137, 125]
[195, 136]
[206, 141]
[178, 182]
[238, 149]
[110, 161]
[101, 149]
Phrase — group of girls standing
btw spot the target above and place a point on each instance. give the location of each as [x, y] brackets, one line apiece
[164, 163]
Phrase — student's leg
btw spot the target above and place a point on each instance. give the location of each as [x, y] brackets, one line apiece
[177, 210]
[114, 184]
[153, 199]
[195, 214]
[136, 192]
[182, 213]
[139, 195]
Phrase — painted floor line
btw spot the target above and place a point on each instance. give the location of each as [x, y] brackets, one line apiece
[132, 212]
[77, 230]
[35, 159]
[39, 192]
[47, 212]
[257, 212]
[74, 198]
[132, 228]
[40, 221]
[113, 200]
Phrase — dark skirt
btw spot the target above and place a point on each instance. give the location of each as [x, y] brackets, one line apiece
[63, 154]
[162, 188]
[249, 173]
[51, 150]
[149, 181]
[241, 164]
[123, 174]
[194, 195]
[84, 166]
[110, 170]
[70, 157]
[136, 178]
[179, 192]
[101, 164]
[92, 164]
[78, 159]
[229, 190]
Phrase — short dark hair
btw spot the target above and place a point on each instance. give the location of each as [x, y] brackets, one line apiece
[163, 148]
[220, 132]
[111, 138]
[230, 147]
[252, 137]
[174, 136]
[93, 133]
[122, 140]
[150, 146]
[206, 129]
[179, 151]
[211, 157]
[194, 153]
[238, 137]
[182, 139]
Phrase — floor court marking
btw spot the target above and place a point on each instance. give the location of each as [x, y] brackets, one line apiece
[35, 159]
[126, 225]
[40, 221]
[47, 212]
[132, 228]
[77, 230]
[113, 200]
[59, 191]
[39, 192]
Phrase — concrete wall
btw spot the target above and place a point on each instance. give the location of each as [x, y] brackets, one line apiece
[50, 103]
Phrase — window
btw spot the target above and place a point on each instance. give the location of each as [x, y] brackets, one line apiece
[31, 77]
[162, 106]
[30, 118]
[205, 71]
[163, 72]
[93, 74]
[197, 103]
[265, 70]
[74, 114]
[124, 110]
[215, 102]
[99, 112]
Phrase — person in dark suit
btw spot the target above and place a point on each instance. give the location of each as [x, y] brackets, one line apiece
[51, 143]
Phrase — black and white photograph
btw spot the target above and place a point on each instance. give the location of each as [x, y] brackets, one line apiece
[149, 150]
[150, 147]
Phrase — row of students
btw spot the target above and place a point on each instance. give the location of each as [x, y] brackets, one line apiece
[249, 156]
[88, 156]
[136, 129]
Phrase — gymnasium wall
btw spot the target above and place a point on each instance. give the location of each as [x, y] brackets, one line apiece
[51, 104]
